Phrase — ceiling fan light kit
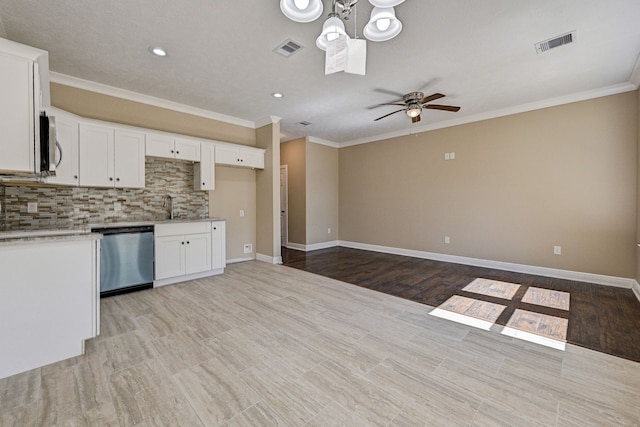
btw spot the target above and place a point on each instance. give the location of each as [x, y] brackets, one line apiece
[414, 103]
[301, 10]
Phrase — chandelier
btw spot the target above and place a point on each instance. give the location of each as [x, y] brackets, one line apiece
[382, 26]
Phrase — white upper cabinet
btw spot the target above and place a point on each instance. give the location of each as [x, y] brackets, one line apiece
[237, 155]
[204, 177]
[111, 157]
[67, 171]
[24, 92]
[170, 147]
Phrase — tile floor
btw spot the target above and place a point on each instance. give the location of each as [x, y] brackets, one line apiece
[268, 345]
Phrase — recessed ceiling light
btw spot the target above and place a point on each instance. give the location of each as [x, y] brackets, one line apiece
[277, 95]
[158, 51]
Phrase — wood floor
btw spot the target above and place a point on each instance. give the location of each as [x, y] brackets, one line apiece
[602, 318]
[266, 345]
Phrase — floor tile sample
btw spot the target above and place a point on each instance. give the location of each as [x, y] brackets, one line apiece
[493, 288]
[547, 298]
[481, 314]
[541, 324]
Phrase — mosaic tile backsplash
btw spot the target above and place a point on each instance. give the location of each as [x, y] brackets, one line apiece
[69, 207]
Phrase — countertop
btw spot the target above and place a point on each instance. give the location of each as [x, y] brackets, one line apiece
[83, 232]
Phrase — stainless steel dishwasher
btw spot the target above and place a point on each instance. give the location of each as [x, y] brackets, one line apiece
[126, 259]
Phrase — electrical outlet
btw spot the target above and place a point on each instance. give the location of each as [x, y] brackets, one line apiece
[557, 250]
[452, 156]
[248, 248]
[117, 206]
[32, 207]
[241, 212]
[447, 240]
[447, 156]
[329, 230]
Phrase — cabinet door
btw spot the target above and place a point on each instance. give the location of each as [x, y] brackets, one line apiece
[204, 177]
[96, 156]
[198, 252]
[159, 145]
[16, 114]
[218, 245]
[252, 158]
[67, 136]
[169, 256]
[129, 159]
[227, 155]
[187, 150]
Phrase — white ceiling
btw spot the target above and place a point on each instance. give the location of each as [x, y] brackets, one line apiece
[220, 57]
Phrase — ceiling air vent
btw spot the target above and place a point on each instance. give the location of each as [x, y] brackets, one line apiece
[555, 42]
[288, 48]
[303, 123]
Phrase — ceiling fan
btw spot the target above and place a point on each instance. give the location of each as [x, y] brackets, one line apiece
[415, 102]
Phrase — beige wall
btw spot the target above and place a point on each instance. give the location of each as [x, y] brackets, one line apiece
[518, 186]
[268, 195]
[322, 193]
[104, 107]
[293, 154]
[235, 188]
[235, 191]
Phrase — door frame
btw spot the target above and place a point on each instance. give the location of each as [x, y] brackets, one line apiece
[284, 205]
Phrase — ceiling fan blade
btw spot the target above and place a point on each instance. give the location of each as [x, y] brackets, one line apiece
[415, 119]
[431, 98]
[385, 103]
[389, 92]
[442, 107]
[387, 115]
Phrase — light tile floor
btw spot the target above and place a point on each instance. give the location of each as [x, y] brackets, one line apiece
[547, 298]
[267, 345]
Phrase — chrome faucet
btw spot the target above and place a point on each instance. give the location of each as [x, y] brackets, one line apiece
[164, 205]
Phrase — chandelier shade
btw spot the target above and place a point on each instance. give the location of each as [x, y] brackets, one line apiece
[332, 28]
[385, 3]
[383, 25]
[301, 10]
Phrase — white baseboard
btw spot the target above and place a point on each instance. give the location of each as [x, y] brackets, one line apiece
[312, 247]
[636, 289]
[269, 259]
[620, 282]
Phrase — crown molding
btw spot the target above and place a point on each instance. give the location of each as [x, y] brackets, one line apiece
[323, 142]
[103, 89]
[523, 108]
[635, 74]
[269, 120]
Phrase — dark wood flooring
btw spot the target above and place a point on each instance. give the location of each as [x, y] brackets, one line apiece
[601, 318]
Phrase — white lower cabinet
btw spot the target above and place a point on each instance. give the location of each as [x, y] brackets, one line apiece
[49, 311]
[218, 244]
[184, 251]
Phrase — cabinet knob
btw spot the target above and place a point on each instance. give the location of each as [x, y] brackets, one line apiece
[117, 179]
[171, 151]
[75, 176]
[177, 152]
[182, 243]
[214, 228]
[110, 178]
[188, 242]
